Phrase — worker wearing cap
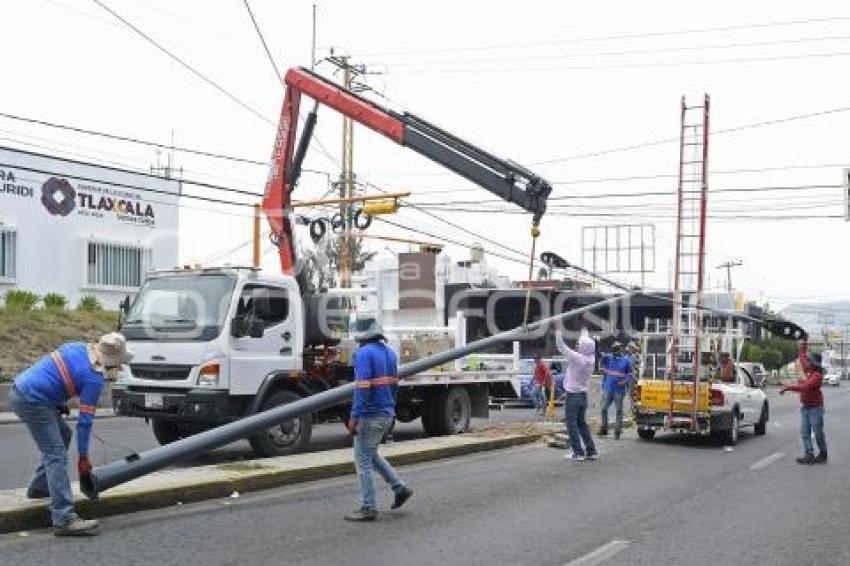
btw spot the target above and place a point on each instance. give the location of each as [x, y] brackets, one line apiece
[616, 374]
[372, 416]
[39, 397]
[811, 399]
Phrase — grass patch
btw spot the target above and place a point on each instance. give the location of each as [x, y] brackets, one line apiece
[28, 335]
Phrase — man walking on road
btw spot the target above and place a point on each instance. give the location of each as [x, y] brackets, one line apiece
[579, 366]
[616, 374]
[39, 397]
[812, 410]
[372, 415]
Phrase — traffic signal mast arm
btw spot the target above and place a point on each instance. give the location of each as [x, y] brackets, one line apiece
[503, 178]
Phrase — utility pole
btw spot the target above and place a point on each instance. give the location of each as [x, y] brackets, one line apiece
[728, 266]
[346, 179]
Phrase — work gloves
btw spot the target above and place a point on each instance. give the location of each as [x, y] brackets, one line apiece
[84, 465]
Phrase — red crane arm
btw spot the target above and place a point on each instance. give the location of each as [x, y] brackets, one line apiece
[285, 166]
[504, 178]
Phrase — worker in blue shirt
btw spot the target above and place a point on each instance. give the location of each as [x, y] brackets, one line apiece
[616, 377]
[372, 416]
[40, 395]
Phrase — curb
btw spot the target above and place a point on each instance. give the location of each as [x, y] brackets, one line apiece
[242, 477]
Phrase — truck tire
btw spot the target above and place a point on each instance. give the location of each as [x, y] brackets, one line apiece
[166, 432]
[730, 437]
[646, 433]
[761, 426]
[286, 438]
[453, 411]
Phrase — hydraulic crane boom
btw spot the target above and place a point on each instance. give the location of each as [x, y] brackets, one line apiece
[503, 178]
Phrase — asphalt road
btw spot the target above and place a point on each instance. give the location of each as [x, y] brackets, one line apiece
[121, 436]
[670, 501]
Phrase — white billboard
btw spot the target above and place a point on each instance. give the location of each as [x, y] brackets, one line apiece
[80, 229]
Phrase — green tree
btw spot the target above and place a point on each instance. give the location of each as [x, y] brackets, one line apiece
[321, 264]
[772, 359]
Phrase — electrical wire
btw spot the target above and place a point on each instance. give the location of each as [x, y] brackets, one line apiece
[263, 41]
[184, 64]
[714, 132]
[616, 37]
[672, 49]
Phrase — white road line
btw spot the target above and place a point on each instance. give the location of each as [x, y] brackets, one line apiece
[765, 462]
[601, 554]
[777, 425]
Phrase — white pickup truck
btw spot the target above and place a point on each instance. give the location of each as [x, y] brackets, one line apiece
[722, 408]
[215, 345]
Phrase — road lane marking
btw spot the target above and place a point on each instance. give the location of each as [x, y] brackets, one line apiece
[601, 554]
[777, 425]
[765, 462]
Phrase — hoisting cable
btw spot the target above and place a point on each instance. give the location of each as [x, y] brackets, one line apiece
[535, 233]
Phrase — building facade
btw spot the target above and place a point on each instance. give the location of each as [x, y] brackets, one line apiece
[80, 229]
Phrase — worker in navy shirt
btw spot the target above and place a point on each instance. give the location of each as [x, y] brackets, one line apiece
[40, 395]
[372, 416]
[616, 377]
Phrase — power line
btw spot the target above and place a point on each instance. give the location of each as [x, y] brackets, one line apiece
[627, 65]
[118, 137]
[616, 37]
[184, 64]
[263, 41]
[635, 194]
[674, 49]
[715, 132]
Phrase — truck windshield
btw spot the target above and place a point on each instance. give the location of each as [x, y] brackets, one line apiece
[180, 307]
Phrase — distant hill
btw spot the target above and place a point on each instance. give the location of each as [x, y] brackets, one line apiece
[806, 315]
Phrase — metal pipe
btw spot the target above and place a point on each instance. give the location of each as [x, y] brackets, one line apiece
[121, 471]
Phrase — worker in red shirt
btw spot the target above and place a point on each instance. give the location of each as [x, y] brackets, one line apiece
[811, 412]
[727, 368]
[542, 384]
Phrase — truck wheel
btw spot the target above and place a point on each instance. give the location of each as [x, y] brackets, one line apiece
[646, 433]
[166, 432]
[453, 411]
[289, 437]
[730, 437]
[761, 426]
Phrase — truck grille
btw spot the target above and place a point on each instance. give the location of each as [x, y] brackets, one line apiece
[160, 372]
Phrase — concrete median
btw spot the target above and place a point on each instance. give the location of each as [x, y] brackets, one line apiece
[174, 486]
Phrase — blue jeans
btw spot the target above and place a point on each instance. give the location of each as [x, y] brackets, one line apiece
[575, 408]
[540, 398]
[811, 420]
[370, 431]
[52, 436]
[609, 397]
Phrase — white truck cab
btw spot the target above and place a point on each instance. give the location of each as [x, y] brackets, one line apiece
[214, 345]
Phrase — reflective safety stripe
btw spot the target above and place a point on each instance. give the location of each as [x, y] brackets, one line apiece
[614, 372]
[87, 409]
[66, 375]
[375, 382]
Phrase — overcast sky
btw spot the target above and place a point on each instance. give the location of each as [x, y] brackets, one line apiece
[551, 85]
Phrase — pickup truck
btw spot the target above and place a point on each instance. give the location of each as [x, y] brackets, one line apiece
[722, 408]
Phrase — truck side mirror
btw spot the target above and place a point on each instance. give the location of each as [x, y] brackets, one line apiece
[247, 325]
[256, 327]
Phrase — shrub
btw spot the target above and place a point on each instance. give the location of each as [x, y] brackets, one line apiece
[89, 304]
[21, 300]
[55, 302]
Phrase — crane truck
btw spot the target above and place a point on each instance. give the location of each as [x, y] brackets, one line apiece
[215, 345]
